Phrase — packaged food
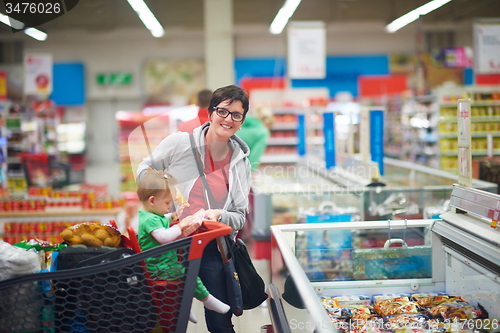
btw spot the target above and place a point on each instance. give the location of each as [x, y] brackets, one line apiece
[431, 301]
[442, 309]
[362, 312]
[407, 320]
[395, 306]
[329, 302]
[340, 312]
[377, 297]
[349, 300]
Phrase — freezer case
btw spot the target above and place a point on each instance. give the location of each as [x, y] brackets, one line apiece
[318, 267]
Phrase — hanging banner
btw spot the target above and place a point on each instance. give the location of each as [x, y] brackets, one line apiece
[464, 143]
[487, 47]
[377, 138]
[329, 133]
[306, 50]
[38, 74]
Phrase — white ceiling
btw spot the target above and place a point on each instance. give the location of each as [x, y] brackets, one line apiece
[105, 15]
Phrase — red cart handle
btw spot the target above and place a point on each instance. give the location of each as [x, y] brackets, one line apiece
[208, 231]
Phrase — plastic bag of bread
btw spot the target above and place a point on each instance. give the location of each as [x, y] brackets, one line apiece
[91, 234]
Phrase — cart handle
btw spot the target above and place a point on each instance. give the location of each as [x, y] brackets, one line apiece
[391, 241]
[208, 231]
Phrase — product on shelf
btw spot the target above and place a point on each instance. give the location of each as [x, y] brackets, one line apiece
[35, 215]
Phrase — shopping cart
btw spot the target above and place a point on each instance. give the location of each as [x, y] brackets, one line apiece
[111, 296]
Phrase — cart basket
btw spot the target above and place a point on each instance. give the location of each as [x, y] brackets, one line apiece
[150, 291]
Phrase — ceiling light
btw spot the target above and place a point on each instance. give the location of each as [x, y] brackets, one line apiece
[414, 15]
[35, 33]
[18, 25]
[283, 15]
[13, 23]
[147, 17]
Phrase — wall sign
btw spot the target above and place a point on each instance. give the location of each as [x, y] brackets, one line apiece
[487, 47]
[37, 74]
[306, 50]
[114, 79]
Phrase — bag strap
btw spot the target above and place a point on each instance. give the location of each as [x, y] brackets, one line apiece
[196, 153]
[209, 193]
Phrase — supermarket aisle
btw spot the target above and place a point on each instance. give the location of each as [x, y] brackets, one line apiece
[250, 322]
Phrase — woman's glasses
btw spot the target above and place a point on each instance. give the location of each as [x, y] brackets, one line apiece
[223, 113]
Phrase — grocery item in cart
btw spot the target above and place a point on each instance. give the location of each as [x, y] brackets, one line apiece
[16, 261]
[91, 234]
[22, 299]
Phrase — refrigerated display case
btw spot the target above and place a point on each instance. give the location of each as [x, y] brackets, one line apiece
[455, 256]
[294, 193]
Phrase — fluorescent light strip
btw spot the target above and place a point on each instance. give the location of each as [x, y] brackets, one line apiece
[13, 23]
[147, 17]
[283, 15]
[414, 15]
[32, 32]
[36, 34]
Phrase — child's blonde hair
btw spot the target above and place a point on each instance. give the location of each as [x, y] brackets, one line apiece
[153, 183]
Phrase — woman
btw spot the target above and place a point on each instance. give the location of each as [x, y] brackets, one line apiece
[228, 172]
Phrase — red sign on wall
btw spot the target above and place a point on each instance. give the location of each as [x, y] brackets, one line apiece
[381, 85]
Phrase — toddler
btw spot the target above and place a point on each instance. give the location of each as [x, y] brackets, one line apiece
[154, 229]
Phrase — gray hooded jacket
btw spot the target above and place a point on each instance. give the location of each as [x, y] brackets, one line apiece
[175, 156]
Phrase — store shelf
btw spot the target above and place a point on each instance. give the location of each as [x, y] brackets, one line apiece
[475, 152]
[279, 158]
[485, 121]
[282, 141]
[285, 126]
[94, 212]
[474, 119]
[473, 135]
[476, 103]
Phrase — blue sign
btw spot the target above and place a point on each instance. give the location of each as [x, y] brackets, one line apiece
[329, 133]
[301, 134]
[377, 138]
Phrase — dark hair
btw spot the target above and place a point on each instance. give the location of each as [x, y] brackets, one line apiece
[153, 183]
[229, 93]
[204, 97]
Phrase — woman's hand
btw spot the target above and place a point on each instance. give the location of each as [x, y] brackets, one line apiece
[212, 214]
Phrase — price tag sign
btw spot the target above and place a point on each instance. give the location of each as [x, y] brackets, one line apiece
[464, 143]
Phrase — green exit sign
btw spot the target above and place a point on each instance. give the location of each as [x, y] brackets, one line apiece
[114, 79]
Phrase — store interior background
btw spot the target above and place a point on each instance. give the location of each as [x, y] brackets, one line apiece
[105, 36]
